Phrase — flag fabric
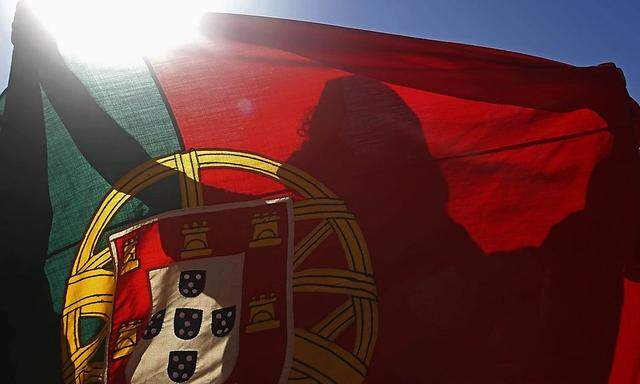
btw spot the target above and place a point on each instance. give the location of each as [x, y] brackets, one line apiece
[288, 201]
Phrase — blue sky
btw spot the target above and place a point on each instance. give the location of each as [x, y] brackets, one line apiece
[579, 32]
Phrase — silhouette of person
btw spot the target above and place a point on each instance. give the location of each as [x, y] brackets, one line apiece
[448, 312]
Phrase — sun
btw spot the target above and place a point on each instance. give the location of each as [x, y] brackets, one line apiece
[118, 31]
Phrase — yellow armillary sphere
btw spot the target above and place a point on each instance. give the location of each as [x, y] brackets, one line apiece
[317, 358]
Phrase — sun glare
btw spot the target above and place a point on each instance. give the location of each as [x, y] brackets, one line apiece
[117, 31]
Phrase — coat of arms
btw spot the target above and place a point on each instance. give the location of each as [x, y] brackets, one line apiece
[204, 294]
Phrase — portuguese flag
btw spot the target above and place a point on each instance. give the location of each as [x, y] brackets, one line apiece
[285, 201]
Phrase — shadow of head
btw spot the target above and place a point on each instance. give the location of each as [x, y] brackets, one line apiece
[367, 145]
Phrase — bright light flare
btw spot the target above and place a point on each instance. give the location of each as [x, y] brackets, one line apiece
[118, 31]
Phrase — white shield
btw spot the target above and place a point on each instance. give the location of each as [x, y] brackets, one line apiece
[216, 356]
